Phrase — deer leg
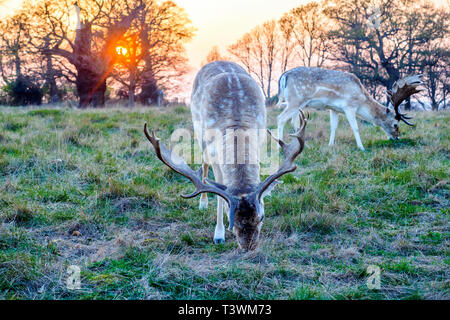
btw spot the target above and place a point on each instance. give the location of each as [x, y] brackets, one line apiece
[282, 118]
[219, 232]
[351, 117]
[296, 121]
[334, 120]
[296, 117]
[204, 196]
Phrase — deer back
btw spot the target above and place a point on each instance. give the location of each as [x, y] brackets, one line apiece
[225, 96]
[310, 83]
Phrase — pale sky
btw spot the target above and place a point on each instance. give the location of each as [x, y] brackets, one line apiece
[222, 22]
[218, 22]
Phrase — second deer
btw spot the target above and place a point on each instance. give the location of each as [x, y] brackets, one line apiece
[226, 100]
[341, 92]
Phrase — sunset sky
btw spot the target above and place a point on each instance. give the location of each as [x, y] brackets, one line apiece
[217, 22]
[222, 22]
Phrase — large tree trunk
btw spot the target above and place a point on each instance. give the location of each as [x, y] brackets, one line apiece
[91, 74]
[84, 93]
[93, 68]
[18, 64]
[99, 95]
[51, 81]
[149, 92]
[91, 89]
[132, 89]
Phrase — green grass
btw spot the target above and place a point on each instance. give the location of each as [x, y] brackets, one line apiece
[85, 188]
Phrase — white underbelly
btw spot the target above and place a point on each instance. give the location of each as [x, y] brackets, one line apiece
[326, 104]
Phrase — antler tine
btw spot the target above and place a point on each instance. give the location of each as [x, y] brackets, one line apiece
[280, 142]
[303, 121]
[402, 90]
[290, 152]
[295, 135]
[178, 165]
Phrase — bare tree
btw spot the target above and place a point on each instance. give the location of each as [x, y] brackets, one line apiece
[381, 40]
[434, 64]
[307, 27]
[155, 50]
[259, 52]
[91, 48]
[287, 45]
[213, 55]
[13, 45]
[241, 51]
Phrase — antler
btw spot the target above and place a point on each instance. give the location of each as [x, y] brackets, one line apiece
[178, 164]
[290, 152]
[401, 90]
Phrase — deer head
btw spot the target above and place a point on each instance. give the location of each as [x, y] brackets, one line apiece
[246, 210]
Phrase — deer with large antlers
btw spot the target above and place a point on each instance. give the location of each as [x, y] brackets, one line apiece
[341, 92]
[225, 100]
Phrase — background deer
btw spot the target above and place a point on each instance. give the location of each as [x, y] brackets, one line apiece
[341, 92]
[226, 99]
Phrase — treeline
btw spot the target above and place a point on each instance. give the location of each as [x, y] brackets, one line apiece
[379, 41]
[54, 50]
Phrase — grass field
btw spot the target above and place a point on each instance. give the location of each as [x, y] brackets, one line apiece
[85, 188]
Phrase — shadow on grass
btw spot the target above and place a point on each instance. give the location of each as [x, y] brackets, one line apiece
[396, 144]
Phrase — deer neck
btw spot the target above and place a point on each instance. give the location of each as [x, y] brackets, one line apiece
[240, 168]
[371, 110]
[241, 179]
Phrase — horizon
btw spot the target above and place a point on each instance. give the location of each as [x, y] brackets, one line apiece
[211, 29]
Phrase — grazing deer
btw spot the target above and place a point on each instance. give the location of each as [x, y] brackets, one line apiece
[225, 99]
[341, 92]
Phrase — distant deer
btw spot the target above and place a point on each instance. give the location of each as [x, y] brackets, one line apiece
[226, 99]
[341, 92]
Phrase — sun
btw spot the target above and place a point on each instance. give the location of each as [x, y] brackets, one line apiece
[121, 51]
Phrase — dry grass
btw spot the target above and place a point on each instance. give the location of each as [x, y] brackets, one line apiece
[84, 188]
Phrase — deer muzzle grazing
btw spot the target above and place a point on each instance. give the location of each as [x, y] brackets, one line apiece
[226, 100]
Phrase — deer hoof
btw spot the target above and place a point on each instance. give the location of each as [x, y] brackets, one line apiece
[219, 240]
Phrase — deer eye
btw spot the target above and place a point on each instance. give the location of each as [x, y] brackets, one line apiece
[387, 110]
